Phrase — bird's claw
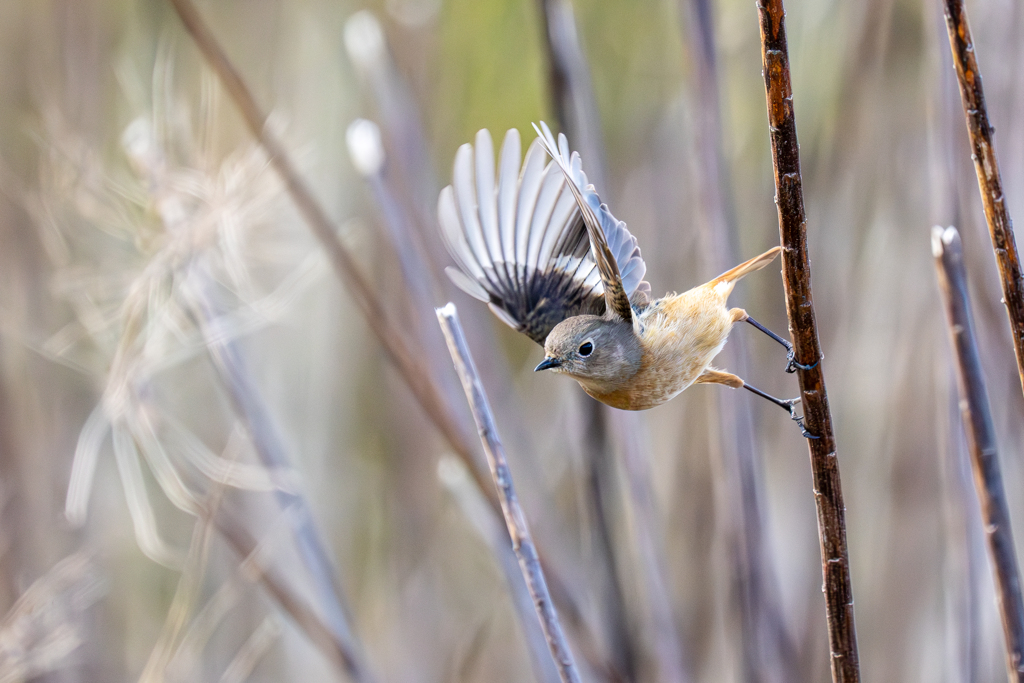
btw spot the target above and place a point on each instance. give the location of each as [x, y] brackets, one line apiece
[792, 366]
[799, 419]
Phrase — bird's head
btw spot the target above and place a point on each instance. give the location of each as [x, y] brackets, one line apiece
[602, 354]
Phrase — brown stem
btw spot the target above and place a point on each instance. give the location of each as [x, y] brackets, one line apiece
[985, 164]
[522, 541]
[796, 276]
[981, 440]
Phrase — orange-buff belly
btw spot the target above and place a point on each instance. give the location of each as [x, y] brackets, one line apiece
[680, 335]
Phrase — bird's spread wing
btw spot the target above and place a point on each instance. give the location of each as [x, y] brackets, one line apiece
[613, 248]
[518, 239]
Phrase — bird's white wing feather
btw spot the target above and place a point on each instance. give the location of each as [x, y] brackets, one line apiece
[518, 240]
[621, 244]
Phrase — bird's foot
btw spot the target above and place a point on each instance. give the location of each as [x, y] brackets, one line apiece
[792, 366]
[799, 419]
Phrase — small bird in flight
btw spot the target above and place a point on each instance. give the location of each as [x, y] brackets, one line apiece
[550, 260]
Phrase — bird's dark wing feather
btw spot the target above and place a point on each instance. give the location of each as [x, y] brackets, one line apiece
[614, 249]
[519, 241]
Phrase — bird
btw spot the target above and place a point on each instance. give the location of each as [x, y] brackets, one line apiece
[536, 244]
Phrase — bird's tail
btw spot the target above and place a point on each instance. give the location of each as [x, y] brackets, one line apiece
[730, 277]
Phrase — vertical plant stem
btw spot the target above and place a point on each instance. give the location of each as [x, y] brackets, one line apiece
[572, 93]
[522, 542]
[796, 276]
[990, 184]
[572, 97]
[981, 441]
[768, 653]
[665, 643]
[603, 493]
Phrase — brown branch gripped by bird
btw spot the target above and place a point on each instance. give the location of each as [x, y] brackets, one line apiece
[976, 414]
[796, 274]
[980, 131]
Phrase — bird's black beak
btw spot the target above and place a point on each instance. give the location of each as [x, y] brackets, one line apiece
[547, 364]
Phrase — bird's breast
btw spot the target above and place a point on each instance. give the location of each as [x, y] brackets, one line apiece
[680, 336]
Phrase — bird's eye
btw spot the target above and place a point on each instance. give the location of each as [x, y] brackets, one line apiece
[586, 348]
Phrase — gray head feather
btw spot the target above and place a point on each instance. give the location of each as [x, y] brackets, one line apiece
[601, 354]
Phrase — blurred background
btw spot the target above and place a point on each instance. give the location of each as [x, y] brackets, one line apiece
[211, 468]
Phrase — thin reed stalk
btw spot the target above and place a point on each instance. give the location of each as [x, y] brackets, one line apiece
[374, 311]
[768, 652]
[391, 338]
[665, 643]
[269, 446]
[981, 441]
[320, 633]
[397, 219]
[571, 95]
[602, 490]
[980, 131]
[452, 474]
[522, 541]
[796, 277]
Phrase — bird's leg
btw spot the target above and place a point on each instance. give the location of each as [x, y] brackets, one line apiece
[728, 379]
[789, 405]
[739, 315]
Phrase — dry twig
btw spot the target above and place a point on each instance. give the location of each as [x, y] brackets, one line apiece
[796, 276]
[987, 167]
[522, 542]
[981, 439]
[453, 475]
